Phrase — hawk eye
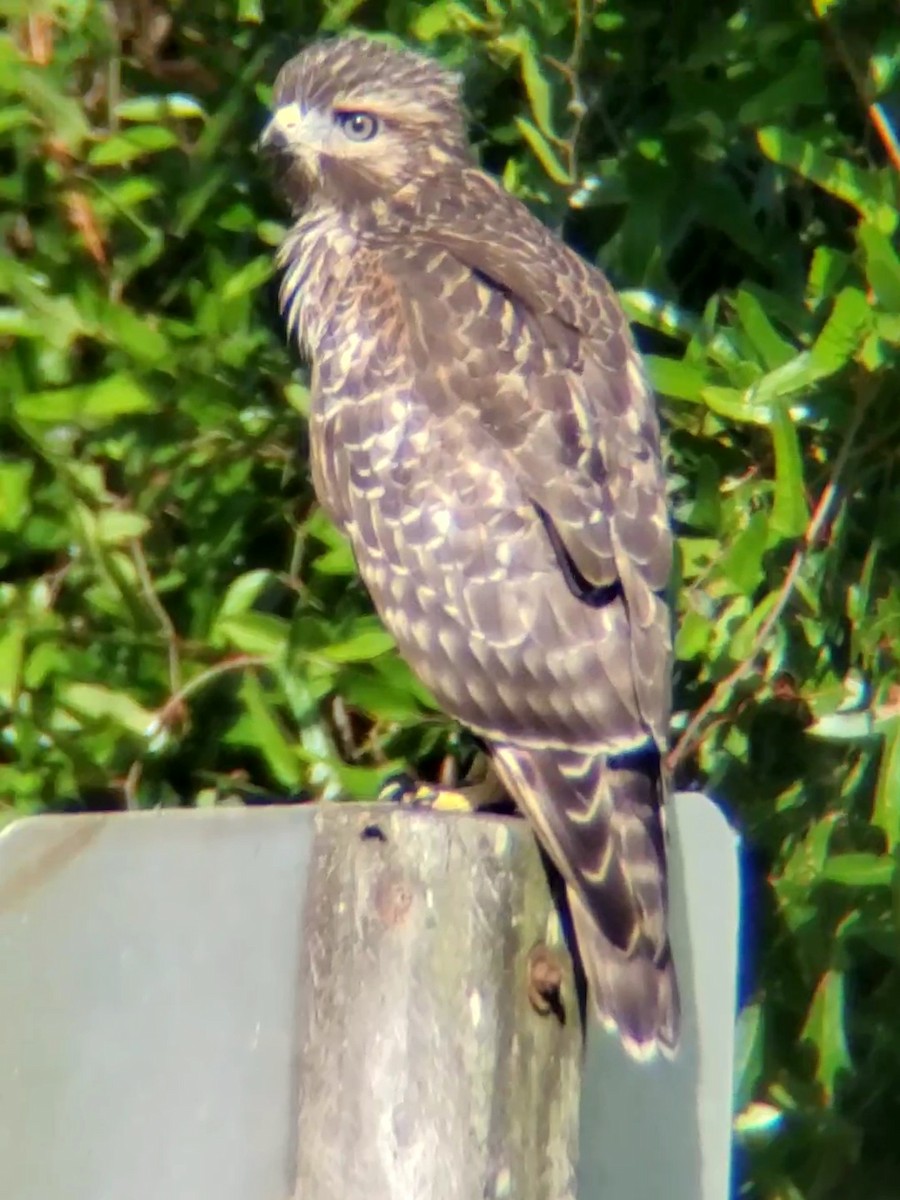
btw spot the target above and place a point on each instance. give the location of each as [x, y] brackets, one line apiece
[358, 126]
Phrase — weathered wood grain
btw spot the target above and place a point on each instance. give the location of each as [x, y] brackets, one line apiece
[425, 1072]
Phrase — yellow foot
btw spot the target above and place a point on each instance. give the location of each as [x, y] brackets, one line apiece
[470, 797]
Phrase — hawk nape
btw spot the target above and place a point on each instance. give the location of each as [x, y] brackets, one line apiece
[483, 432]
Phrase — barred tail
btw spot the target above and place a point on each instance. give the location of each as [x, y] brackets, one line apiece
[600, 818]
[636, 997]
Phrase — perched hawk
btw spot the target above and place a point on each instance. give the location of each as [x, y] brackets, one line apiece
[483, 432]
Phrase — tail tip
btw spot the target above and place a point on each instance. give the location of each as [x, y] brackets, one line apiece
[639, 1004]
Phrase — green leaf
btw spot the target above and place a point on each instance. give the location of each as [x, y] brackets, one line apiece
[250, 277]
[62, 115]
[882, 266]
[93, 701]
[15, 498]
[790, 511]
[736, 405]
[122, 149]
[886, 810]
[844, 727]
[772, 348]
[827, 271]
[543, 151]
[660, 314]
[744, 642]
[338, 13]
[157, 108]
[243, 592]
[91, 405]
[135, 335]
[521, 45]
[261, 729]
[860, 870]
[677, 378]
[825, 1029]
[692, 635]
[844, 331]
[798, 374]
[338, 561]
[12, 658]
[254, 633]
[378, 697]
[434, 20]
[360, 648]
[852, 184]
[742, 562]
[116, 526]
[748, 1053]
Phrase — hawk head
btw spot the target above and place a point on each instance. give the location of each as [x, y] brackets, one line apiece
[353, 119]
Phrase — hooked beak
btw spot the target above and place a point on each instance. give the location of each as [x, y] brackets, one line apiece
[272, 140]
[293, 129]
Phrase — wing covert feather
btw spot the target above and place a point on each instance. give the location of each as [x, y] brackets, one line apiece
[521, 329]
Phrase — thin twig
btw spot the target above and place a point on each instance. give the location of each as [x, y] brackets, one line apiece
[820, 518]
[877, 115]
[577, 106]
[885, 131]
[169, 711]
[237, 663]
[131, 786]
[170, 634]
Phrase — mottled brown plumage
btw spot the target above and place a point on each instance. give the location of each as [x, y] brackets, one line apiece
[482, 431]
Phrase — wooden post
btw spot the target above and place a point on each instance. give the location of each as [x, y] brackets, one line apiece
[332, 1003]
[323, 1003]
[425, 1072]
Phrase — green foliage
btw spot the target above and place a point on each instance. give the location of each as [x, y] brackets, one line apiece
[179, 623]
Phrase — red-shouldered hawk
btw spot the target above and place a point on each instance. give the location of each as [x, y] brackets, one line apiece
[483, 432]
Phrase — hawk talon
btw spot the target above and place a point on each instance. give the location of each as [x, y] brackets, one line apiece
[403, 789]
[397, 788]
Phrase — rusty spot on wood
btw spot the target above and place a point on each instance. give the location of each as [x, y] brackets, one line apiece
[545, 979]
[393, 899]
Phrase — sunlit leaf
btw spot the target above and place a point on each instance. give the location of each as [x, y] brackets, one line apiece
[842, 335]
[537, 88]
[361, 647]
[860, 870]
[772, 348]
[254, 633]
[543, 151]
[825, 1029]
[886, 811]
[673, 378]
[790, 511]
[841, 178]
[93, 701]
[116, 526]
[90, 405]
[121, 149]
[156, 108]
[243, 592]
[882, 266]
[743, 561]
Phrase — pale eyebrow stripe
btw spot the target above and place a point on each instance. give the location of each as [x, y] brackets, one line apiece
[392, 106]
